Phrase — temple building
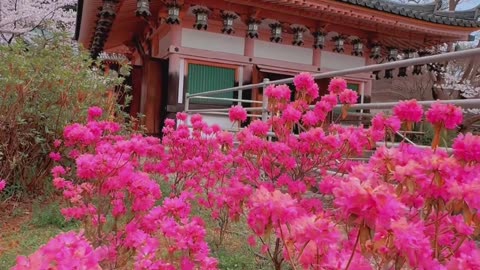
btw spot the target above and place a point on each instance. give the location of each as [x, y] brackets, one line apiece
[193, 46]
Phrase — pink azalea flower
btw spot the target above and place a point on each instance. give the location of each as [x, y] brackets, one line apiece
[330, 100]
[467, 147]
[280, 92]
[251, 241]
[291, 114]
[237, 113]
[304, 83]
[380, 122]
[66, 251]
[94, 113]
[58, 171]
[182, 116]
[348, 97]
[57, 143]
[3, 183]
[445, 115]
[55, 156]
[259, 128]
[408, 111]
[310, 119]
[337, 86]
[411, 241]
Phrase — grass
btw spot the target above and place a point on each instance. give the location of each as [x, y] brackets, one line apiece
[234, 252]
[26, 241]
[25, 226]
[49, 215]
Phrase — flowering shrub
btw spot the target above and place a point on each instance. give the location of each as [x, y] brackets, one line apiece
[305, 201]
[35, 106]
[66, 251]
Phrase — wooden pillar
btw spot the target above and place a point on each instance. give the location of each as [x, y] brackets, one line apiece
[136, 90]
[367, 87]
[317, 55]
[151, 88]
[173, 81]
[174, 73]
[368, 91]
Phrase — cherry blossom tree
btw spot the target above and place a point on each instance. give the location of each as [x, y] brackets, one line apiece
[26, 17]
[445, 4]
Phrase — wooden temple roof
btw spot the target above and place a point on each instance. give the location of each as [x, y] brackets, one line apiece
[426, 12]
[392, 24]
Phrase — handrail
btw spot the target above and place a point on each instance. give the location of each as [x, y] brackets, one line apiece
[464, 103]
[370, 68]
[227, 99]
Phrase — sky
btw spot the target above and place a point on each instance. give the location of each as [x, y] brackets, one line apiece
[468, 4]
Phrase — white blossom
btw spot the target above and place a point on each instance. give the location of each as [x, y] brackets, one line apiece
[23, 17]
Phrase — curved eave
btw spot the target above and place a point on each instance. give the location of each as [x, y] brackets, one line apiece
[427, 12]
[86, 20]
[78, 19]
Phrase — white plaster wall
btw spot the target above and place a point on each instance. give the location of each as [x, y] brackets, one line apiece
[204, 40]
[221, 120]
[289, 53]
[336, 61]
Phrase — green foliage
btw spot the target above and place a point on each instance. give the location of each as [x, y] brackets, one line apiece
[25, 241]
[43, 87]
[49, 214]
[427, 137]
[231, 261]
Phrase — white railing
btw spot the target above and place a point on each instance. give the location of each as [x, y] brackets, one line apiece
[261, 111]
[365, 69]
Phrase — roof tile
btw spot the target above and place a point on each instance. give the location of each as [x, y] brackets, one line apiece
[426, 12]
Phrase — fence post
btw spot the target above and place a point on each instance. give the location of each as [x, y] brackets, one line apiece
[265, 100]
[187, 102]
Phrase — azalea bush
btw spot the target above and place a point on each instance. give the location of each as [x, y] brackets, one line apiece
[44, 86]
[305, 200]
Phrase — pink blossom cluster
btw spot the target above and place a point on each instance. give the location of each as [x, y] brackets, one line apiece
[306, 87]
[445, 115]
[237, 113]
[409, 111]
[348, 96]
[467, 148]
[278, 97]
[68, 250]
[109, 178]
[3, 183]
[337, 86]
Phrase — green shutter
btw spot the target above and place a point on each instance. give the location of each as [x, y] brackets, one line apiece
[202, 78]
[353, 86]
